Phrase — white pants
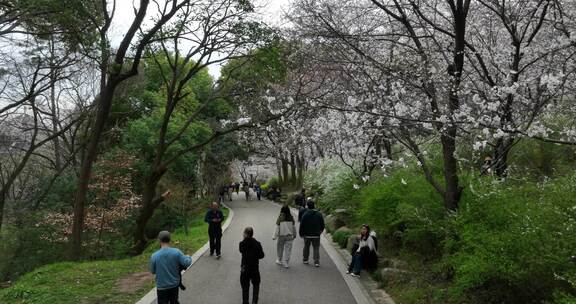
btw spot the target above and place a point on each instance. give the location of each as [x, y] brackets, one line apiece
[284, 248]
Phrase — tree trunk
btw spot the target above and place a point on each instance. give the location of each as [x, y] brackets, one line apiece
[91, 152]
[503, 145]
[53, 104]
[501, 150]
[301, 169]
[292, 169]
[453, 190]
[279, 170]
[3, 195]
[149, 204]
[388, 148]
[286, 179]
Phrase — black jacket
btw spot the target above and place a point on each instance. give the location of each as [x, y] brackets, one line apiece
[252, 252]
[312, 223]
[301, 212]
[300, 200]
[214, 214]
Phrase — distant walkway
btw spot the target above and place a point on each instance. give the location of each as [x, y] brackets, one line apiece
[218, 281]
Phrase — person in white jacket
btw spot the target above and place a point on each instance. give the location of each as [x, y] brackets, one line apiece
[359, 256]
[285, 233]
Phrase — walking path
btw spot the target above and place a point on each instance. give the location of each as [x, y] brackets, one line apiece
[218, 281]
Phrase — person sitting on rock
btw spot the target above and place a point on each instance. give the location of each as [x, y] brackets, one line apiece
[365, 249]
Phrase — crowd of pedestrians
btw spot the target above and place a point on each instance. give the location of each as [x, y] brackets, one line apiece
[167, 263]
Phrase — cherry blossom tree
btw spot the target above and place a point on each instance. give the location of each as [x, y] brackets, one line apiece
[429, 71]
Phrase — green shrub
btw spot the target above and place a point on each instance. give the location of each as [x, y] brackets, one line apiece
[514, 241]
[332, 186]
[341, 238]
[273, 182]
[404, 209]
[539, 159]
[510, 242]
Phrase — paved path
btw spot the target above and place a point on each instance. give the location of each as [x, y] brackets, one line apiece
[218, 281]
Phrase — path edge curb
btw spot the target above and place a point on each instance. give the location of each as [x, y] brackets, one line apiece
[150, 297]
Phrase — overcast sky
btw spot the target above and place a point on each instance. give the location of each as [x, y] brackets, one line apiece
[270, 11]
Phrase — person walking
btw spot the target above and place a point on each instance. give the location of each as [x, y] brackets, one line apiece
[258, 191]
[362, 253]
[246, 189]
[167, 264]
[300, 198]
[214, 217]
[222, 193]
[252, 253]
[285, 233]
[302, 209]
[311, 227]
[231, 190]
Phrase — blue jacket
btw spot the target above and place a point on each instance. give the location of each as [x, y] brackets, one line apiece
[166, 264]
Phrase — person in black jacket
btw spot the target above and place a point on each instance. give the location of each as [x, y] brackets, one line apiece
[214, 217]
[311, 227]
[252, 253]
[300, 198]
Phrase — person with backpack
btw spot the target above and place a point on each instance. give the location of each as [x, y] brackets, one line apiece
[167, 264]
[311, 227]
[252, 253]
[363, 253]
[214, 217]
[285, 233]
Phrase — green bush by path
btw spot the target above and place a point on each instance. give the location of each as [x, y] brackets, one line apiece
[341, 238]
[331, 185]
[514, 241]
[402, 210]
[510, 242]
[96, 281]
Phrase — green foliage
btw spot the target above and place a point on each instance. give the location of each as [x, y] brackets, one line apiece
[67, 18]
[140, 137]
[510, 242]
[246, 80]
[96, 281]
[23, 249]
[538, 160]
[332, 186]
[341, 238]
[405, 210]
[273, 182]
[514, 241]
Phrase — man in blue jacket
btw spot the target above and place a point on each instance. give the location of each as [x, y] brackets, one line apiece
[214, 217]
[166, 264]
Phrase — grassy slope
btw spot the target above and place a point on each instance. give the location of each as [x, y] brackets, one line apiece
[95, 281]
